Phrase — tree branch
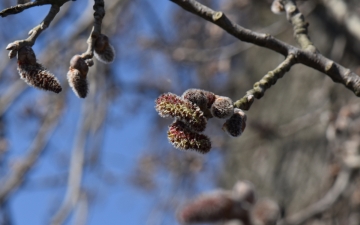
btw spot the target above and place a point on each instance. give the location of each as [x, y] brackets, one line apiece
[35, 32]
[297, 20]
[21, 7]
[96, 31]
[316, 61]
[265, 83]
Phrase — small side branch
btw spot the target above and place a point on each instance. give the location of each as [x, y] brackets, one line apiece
[265, 83]
[311, 59]
[36, 31]
[297, 20]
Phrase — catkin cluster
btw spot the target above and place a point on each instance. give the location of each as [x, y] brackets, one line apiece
[191, 112]
[36, 75]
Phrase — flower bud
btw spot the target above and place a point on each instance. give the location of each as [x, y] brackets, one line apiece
[77, 83]
[104, 51]
[171, 105]
[26, 56]
[79, 64]
[34, 73]
[236, 124]
[203, 99]
[222, 107]
[184, 138]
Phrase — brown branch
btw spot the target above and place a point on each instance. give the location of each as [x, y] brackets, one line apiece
[21, 169]
[96, 31]
[331, 197]
[21, 7]
[265, 83]
[317, 61]
[36, 31]
[296, 18]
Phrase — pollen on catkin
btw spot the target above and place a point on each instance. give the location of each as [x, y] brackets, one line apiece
[34, 73]
[104, 51]
[222, 107]
[184, 138]
[236, 124]
[171, 105]
[207, 208]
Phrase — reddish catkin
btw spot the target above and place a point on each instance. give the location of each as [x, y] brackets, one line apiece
[34, 73]
[210, 207]
[104, 51]
[183, 138]
[222, 107]
[76, 76]
[171, 105]
[236, 124]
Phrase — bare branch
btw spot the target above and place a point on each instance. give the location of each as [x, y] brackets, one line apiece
[296, 18]
[265, 83]
[96, 31]
[36, 31]
[21, 7]
[317, 61]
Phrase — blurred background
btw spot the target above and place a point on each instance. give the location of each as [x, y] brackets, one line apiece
[106, 159]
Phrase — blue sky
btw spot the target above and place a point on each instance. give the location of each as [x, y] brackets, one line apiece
[124, 142]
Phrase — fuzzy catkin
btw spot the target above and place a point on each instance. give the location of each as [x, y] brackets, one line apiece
[222, 107]
[203, 99]
[171, 105]
[77, 82]
[104, 51]
[183, 138]
[34, 73]
[236, 124]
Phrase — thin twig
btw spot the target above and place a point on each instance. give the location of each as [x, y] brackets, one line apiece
[36, 31]
[265, 83]
[297, 20]
[96, 30]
